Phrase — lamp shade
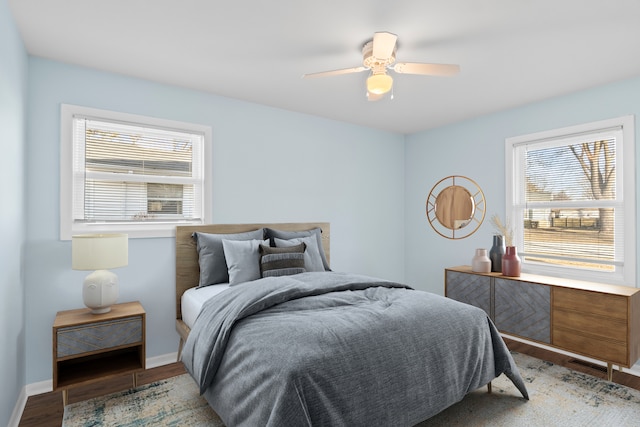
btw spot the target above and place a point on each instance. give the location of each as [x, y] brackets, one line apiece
[379, 83]
[99, 251]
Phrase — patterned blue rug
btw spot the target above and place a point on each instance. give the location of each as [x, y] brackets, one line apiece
[171, 402]
[559, 397]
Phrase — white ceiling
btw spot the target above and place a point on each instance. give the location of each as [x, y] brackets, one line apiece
[511, 52]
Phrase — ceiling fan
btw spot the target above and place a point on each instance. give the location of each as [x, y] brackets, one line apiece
[378, 56]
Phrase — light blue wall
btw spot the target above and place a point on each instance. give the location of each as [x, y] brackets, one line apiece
[269, 165]
[13, 95]
[475, 148]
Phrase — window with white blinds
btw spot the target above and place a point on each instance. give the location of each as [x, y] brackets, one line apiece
[131, 174]
[571, 198]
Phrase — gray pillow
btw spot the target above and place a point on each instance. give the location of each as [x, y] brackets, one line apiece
[243, 259]
[287, 261]
[312, 258]
[271, 233]
[213, 266]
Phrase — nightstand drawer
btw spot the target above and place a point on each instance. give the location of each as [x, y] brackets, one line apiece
[92, 337]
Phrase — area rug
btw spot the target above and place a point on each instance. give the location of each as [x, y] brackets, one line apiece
[559, 397]
[171, 402]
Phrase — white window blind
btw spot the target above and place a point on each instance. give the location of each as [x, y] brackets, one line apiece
[571, 213]
[130, 175]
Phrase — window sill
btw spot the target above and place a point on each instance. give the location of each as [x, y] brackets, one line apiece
[140, 230]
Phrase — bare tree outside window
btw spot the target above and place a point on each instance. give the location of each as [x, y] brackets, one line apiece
[597, 162]
[571, 230]
[568, 205]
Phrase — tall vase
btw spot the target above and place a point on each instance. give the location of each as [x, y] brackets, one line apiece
[511, 262]
[496, 253]
[481, 262]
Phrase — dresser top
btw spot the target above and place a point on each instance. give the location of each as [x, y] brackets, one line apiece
[557, 281]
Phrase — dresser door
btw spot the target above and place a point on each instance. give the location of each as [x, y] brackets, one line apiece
[472, 289]
[523, 309]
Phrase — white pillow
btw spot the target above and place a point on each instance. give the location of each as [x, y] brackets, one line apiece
[243, 259]
[312, 258]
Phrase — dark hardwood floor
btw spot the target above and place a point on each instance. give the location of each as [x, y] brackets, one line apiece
[46, 410]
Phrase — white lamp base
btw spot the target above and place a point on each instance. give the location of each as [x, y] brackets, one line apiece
[100, 291]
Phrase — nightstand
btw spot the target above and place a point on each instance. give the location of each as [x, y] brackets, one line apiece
[90, 347]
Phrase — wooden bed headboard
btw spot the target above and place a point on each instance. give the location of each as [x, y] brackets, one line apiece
[187, 267]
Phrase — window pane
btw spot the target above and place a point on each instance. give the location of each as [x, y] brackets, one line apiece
[129, 173]
[559, 227]
[121, 150]
[136, 201]
[576, 172]
[570, 238]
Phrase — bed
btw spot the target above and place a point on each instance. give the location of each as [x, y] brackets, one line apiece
[310, 346]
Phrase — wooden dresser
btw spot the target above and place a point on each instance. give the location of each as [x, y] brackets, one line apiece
[590, 319]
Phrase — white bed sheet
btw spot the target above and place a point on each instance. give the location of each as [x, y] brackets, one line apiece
[193, 299]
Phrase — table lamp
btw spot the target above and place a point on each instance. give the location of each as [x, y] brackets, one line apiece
[99, 252]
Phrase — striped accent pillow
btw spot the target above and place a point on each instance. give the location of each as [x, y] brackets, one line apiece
[282, 261]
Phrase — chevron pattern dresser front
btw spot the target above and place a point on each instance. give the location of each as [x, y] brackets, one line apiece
[523, 309]
[595, 320]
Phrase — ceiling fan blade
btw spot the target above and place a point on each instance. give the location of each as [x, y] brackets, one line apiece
[426, 69]
[383, 44]
[374, 96]
[334, 72]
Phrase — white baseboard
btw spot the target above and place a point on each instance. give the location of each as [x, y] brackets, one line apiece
[39, 388]
[18, 409]
[47, 386]
[165, 359]
[634, 370]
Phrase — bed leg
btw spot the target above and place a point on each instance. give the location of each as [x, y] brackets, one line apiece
[180, 349]
[489, 387]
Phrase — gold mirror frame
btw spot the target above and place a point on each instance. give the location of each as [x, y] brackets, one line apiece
[456, 207]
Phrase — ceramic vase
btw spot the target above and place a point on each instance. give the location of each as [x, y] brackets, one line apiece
[481, 262]
[496, 253]
[511, 262]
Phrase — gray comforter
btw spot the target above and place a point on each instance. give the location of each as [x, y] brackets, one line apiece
[339, 349]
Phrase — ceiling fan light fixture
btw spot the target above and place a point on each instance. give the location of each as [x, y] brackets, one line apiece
[379, 83]
[379, 56]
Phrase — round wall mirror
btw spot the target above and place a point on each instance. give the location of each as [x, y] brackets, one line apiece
[456, 207]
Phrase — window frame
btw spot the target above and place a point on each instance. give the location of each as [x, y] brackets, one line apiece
[625, 157]
[141, 229]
